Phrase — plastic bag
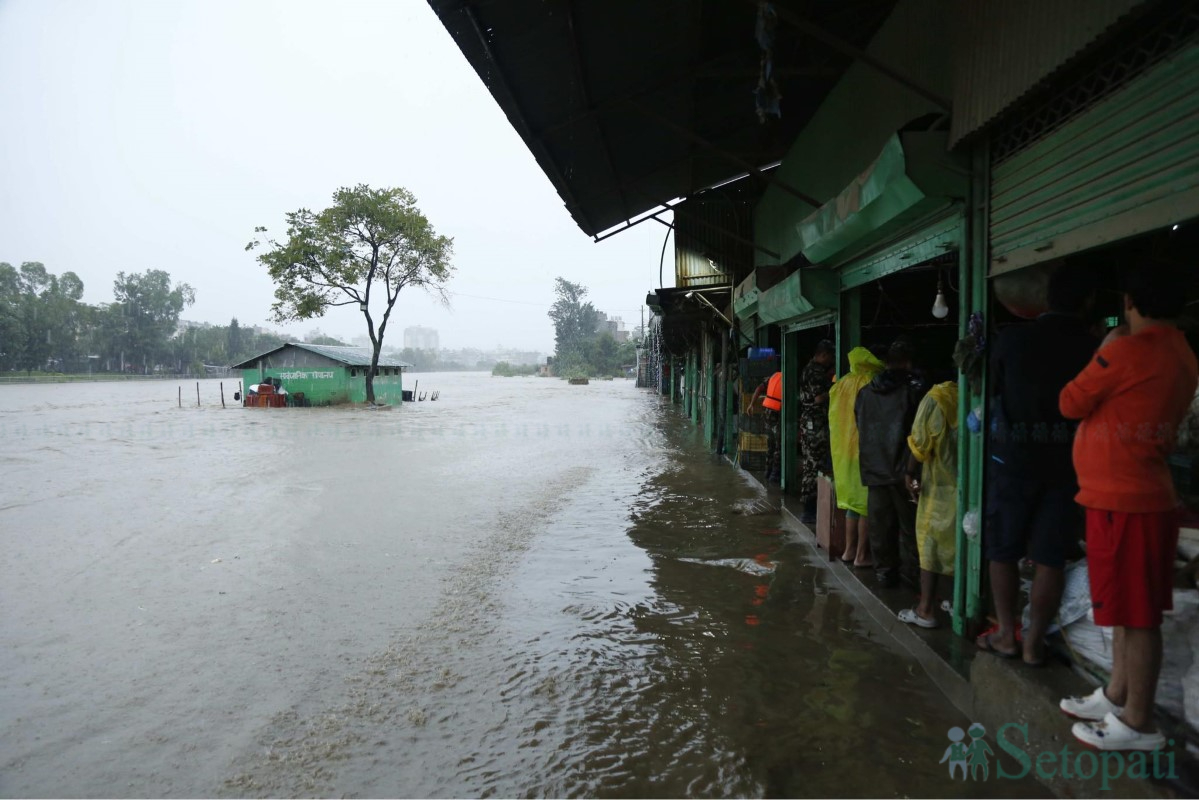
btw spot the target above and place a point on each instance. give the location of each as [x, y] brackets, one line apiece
[1076, 597]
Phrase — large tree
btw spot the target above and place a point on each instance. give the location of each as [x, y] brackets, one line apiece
[41, 317]
[233, 340]
[146, 313]
[574, 325]
[369, 242]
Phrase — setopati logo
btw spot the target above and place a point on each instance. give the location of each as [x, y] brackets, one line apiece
[969, 756]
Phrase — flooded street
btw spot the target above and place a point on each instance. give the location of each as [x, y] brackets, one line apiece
[522, 589]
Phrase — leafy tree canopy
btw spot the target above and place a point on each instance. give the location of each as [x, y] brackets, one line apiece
[574, 325]
[363, 250]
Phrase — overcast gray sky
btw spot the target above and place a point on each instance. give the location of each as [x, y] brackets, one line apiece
[140, 134]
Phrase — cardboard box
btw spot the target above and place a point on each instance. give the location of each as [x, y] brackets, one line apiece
[830, 520]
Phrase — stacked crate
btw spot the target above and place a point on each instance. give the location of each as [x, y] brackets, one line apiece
[752, 442]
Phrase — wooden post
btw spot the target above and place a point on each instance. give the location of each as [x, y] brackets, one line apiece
[181, 397]
[222, 394]
[197, 394]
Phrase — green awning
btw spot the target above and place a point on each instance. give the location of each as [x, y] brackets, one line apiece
[802, 293]
[912, 176]
[745, 297]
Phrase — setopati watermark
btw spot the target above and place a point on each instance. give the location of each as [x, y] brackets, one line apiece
[969, 759]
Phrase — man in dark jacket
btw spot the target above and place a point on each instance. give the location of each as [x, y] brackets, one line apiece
[884, 411]
[1030, 481]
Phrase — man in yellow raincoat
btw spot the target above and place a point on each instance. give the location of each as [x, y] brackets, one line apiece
[932, 474]
[843, 441]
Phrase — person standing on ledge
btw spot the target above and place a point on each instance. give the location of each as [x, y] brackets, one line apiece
[1131, 399]
[771, 394]
[932, 477]
[1030, 481]
[884, 411]
[843, 444]
[814, 385]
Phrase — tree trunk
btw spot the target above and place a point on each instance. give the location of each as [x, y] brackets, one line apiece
[370, 372]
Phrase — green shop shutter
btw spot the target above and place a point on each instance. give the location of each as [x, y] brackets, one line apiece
[1128, 165]
[927, 240]
[815, 319]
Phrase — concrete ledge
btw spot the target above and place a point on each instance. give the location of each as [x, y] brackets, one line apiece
[989, 690]
[1008, 692]
[952, 683]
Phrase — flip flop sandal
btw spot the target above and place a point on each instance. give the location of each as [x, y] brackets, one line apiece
[987, 646]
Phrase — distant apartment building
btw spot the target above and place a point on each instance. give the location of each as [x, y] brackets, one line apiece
[612, 325]
[419, 338]
[185, 325]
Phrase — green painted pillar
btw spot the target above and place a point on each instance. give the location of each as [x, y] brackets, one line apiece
[730, 418]
[789, 430]
[710, 391]
[974, 296]
[693, 387]
[849, 328]
[688, 385]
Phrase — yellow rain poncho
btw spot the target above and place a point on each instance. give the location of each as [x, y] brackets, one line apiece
[843, 430]
[934, 443]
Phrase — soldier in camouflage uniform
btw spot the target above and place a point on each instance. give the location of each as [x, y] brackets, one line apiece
[815, 456]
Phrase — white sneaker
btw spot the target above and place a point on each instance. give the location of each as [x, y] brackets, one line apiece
[1092, 708]
[1113, 734]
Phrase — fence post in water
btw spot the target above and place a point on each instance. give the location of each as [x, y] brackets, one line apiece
[197, 394]
[222, 394]
[181, 397]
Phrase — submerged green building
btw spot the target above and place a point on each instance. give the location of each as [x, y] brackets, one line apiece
[323, 375]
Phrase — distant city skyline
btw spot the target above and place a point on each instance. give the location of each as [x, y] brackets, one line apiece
[418, 337]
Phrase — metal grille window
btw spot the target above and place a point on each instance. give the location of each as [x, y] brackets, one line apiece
[1147, 42]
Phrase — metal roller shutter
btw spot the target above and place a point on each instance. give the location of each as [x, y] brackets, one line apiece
[1128, 165]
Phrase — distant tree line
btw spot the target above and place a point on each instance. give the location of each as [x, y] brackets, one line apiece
[505, 370]
[46, 327]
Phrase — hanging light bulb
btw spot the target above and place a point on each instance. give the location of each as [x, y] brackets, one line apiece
[940, 307]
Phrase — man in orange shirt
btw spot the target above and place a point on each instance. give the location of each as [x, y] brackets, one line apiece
[1131, 399]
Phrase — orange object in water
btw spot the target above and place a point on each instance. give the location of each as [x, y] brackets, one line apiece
[761, 590]
[751, 619]
[774, 393]
[265, 397]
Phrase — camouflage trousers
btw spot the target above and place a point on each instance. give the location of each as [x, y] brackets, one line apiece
[815, 455]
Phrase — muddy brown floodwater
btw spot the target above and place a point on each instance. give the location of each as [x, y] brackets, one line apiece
[523, 589]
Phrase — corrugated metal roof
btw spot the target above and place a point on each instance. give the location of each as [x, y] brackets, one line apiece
[1002, 51]
[625, 103]
[350, 356]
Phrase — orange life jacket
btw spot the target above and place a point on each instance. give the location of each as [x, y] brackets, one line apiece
[774, 393]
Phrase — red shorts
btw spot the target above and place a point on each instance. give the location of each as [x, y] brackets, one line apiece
[1130, 561]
